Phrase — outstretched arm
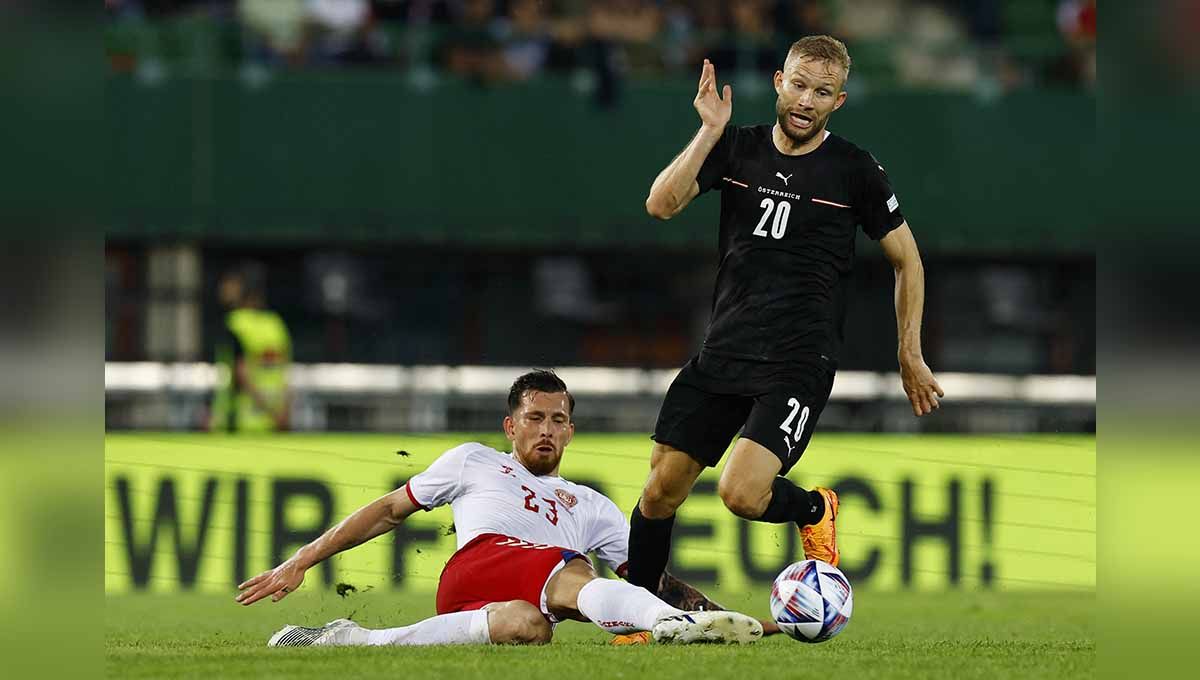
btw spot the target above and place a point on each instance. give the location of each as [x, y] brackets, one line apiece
[369, 521]
[676, 185]
[919, 384]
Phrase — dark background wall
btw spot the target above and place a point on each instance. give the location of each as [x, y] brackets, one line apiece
[644, 306]
[369, 157]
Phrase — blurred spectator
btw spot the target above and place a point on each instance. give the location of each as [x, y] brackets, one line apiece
[623, 21]
[982, 44]
[298, 32]
[859, 20]
[1077, 24]
[469, 47]
[984, 19]
[935, 56]
[621, 37]
[798, 18]
[161, 8]
[525, 39]
[678, 39]
[338, 30]
[749, 46]
[253, 357]
[275, 29]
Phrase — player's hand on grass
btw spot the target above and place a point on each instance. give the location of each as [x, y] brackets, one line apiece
[276, 583]
[714, 109]
[920, 386]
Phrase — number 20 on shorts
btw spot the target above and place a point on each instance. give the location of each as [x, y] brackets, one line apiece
[786, 425]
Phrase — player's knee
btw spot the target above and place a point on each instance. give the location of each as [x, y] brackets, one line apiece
[659, 500]
[518, 623]
[666, 488]
[741, 499]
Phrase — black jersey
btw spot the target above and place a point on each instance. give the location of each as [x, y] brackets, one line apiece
[788, 226]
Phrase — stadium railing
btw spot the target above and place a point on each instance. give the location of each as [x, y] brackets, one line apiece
[145, 395]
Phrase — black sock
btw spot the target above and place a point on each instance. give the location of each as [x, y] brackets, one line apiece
[649, 549]
[790, 503]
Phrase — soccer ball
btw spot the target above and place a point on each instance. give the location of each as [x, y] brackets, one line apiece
[811, 601]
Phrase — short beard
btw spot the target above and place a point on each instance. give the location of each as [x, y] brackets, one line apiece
[781, 114]
[535, 467]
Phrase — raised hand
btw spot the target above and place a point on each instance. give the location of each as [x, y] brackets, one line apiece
[714, 110]
[920, 386]
[277, 583]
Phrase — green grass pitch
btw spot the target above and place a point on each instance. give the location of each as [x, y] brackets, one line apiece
[892, 635]
[1036, 620]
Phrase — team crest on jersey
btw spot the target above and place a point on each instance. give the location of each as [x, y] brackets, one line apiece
[566, 497]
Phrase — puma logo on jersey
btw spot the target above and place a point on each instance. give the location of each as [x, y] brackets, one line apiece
[785, 179]
[506, 470]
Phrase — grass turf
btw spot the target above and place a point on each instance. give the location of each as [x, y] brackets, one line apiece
[952, 634]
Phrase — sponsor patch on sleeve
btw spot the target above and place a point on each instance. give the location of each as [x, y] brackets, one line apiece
[893, 204]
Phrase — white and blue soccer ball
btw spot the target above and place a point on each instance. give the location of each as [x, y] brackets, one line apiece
[811, 601]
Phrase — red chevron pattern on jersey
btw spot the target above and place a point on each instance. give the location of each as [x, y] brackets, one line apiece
[518, 543]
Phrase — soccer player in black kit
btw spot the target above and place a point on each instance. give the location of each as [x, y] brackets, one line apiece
[792, 198]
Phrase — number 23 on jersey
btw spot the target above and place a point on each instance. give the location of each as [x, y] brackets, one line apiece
[551, 512]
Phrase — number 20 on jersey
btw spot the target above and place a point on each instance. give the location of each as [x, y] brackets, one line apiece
[781, 211]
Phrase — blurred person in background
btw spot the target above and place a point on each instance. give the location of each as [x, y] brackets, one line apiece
[804, 17]
[935, 45]
[766, 368]
[1077, 23]
[339, 31]
[253, 357]
[300, 32]
[621, 37]
[275, 30]
[525, 39]
[749, 45]
[470, 47]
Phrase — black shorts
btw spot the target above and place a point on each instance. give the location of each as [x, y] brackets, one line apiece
[775, 405]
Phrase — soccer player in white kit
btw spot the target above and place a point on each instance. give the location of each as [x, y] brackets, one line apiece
[523, 536]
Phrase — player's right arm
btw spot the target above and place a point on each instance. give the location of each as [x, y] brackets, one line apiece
[438, 485]
[676, 185]
[371, 520]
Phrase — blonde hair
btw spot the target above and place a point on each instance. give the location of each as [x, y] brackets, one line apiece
[821, 48]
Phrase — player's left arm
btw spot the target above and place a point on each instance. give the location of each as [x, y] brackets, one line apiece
[919, 384]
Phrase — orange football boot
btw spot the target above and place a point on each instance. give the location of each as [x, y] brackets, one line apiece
[820, 539]
[639, 638]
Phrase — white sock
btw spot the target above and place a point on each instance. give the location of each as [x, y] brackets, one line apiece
[458, 628]
[620, 607]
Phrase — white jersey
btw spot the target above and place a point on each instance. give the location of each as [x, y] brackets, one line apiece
[492, 493]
